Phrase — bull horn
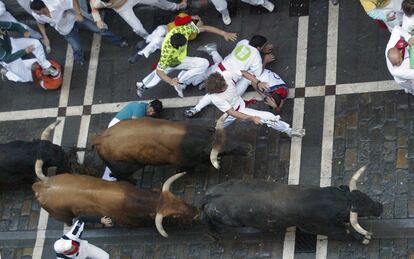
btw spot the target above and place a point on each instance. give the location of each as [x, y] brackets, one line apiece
[354, 222]
[353, 216]
[355, 177]
[158, 224]
[46, 133]
[167, 184]
[218, 141]
[39, 170]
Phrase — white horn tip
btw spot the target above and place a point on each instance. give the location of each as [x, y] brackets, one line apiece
[216, 164]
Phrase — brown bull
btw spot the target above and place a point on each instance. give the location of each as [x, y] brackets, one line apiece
[67, 196]
[132, 144]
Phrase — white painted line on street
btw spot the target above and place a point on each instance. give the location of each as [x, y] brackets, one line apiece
[92, 70]
[67, 78]
[298, 113]
[83, 136]
[367, 87]
[315, 91]
[28, 114]
[329, 116]
[301, 52]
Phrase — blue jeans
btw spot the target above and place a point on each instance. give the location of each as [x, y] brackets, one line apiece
[74, 40]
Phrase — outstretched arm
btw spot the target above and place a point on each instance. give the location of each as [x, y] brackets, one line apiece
[228, 36]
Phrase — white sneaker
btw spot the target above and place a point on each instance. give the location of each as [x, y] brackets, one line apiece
[50, 71]
[208, 48]
[179, 89]
[3, 73]
[297, 133]
[191, 112]
[268, 5]
[140, 89]
[226, 18]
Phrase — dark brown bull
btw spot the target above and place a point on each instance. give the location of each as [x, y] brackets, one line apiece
[67, 196]
[132, 144]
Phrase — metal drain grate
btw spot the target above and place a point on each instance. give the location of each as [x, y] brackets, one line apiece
[305, 243]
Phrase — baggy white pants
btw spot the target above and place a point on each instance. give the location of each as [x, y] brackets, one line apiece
[154, 41]
[107, 173]
[21, 70]
[267, 117]
[127, 13]
[87, 250]
[191, 66]
[221, 5]
[8, 17]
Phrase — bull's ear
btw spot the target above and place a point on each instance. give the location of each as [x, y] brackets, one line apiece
[344, 188]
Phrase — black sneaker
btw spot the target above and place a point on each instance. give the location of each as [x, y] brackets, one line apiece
[134, 58]
[140, 45]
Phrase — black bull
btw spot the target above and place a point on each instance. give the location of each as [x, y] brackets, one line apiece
[132, 144]
[271, 206]
[17, 158]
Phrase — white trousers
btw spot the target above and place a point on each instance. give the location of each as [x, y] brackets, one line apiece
[267, 117]
[221, 5]
[127, 13]
[154, 41]
[21, 70]
[87, 250]
[107, 173]
[191, 66]
[8, 17]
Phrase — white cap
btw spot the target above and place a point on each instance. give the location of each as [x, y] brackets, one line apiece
[62, 245]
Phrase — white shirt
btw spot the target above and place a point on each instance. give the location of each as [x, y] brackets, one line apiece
[244, 57]
[228, 99]
[271, 78]
[402, 74]
[408, 24]
[63, 16]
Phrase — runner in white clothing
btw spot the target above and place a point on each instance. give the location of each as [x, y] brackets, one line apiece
[224, 96]
[398, 60]
[246, 56]
[5, 16]
[221, 7]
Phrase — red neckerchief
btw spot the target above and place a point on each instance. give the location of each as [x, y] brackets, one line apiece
[75, 248]
[401, 45]
[280, 91]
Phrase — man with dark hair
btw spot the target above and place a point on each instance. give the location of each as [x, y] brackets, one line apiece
[13, 49]
[174, 56]
[245, 56]
[134, 110]
[65, 16]
[222, 90]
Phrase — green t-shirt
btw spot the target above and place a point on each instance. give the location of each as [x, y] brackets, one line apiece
[170, 56]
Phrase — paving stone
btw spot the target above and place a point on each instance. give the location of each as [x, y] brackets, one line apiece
[390, 111]
[28, 251]
[340, 127]
[390, 131]
[402, 162]
[350, 158]
[402, 140]
[351, 138]
[26, 208]
[363, 152]
[33, 221]
[339, 147]
[389, 151]
[400, 209]
[352, 120]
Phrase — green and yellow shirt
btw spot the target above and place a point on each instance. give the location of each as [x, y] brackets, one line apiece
[170, 56]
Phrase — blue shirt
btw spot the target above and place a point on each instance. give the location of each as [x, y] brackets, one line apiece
[132, 109]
